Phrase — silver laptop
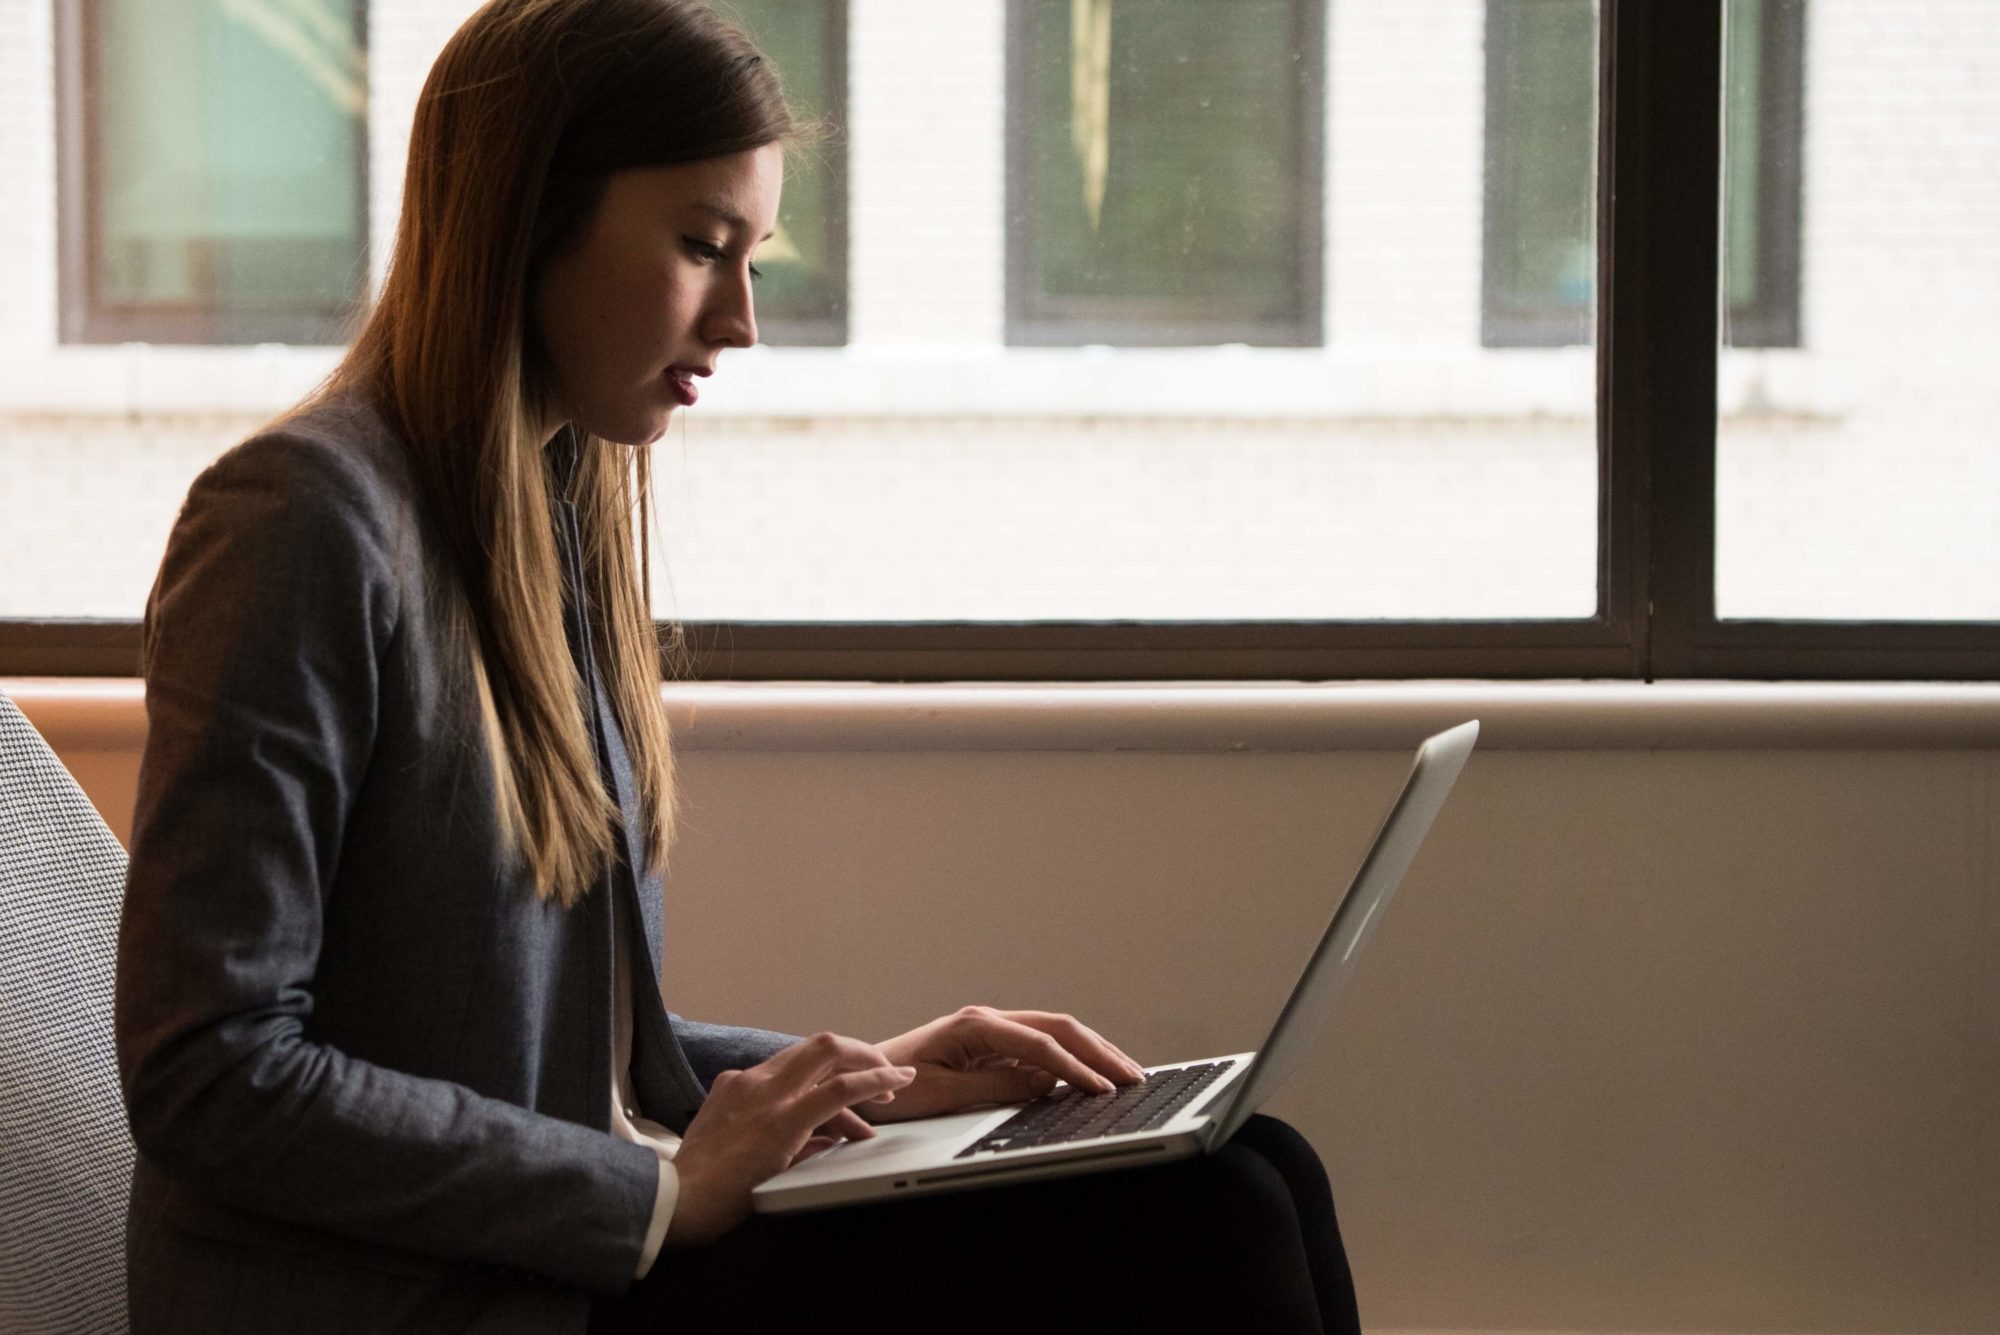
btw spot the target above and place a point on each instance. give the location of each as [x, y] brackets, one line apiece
[1182, 1109]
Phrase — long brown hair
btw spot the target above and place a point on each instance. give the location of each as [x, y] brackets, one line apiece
[529, 110]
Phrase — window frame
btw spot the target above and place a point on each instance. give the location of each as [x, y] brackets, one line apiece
[1657, 398]
[83, 319]
[1035, 320]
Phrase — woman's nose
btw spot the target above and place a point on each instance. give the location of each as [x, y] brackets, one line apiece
[732, 319]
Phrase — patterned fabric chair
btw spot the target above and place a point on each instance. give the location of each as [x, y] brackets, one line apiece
[65, 1153]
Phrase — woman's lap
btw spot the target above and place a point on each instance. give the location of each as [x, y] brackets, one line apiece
[1247, 1233]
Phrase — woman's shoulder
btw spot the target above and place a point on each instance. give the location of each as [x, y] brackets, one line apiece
[327, 483]
[332, 460]
[342, 442]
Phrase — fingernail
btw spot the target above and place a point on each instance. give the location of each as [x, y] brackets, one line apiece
[909, 1071]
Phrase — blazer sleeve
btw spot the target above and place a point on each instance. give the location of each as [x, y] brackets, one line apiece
[274, 607]
[714, 1048]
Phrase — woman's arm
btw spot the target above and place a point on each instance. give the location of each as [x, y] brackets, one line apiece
[275, 605]
[714, 1048]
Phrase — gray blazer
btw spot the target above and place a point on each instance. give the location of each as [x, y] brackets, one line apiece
[367, 1071]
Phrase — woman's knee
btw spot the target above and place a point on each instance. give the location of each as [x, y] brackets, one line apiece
[1240, 1189]
[1289, 1151]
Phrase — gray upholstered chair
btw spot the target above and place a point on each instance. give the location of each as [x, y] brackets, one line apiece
[65, 1152]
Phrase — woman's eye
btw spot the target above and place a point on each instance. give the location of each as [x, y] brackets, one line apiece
[710, 253]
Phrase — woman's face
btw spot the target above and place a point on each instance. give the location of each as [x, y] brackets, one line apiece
[656, 288]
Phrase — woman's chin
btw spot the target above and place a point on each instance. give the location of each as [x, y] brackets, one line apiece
[638, 430]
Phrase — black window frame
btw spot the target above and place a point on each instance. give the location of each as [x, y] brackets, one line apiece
[1035, 319]
[82, 318]
[1657, 361]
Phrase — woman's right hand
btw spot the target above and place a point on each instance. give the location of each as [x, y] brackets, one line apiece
[756, 1123]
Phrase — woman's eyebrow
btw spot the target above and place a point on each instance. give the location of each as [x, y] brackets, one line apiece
[733, 219]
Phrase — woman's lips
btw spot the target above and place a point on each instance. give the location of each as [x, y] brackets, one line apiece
[682, 385]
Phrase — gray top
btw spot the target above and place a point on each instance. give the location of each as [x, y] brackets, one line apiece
[367, 1070]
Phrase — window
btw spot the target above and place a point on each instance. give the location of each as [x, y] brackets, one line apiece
[802, 299]
[1540, 265]
[213, 156]
[1164, 172]
[1392, 495]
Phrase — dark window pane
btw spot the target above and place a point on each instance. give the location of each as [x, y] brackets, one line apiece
[1541, 131]
[1167, 172]
[1541, 251]
[1740, 193]
[226, 147]
[803, 295]
[1763, 77]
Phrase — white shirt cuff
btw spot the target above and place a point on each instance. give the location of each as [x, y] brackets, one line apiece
[665, 1197]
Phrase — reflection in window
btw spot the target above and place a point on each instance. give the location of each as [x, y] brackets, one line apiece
[218, 194]
[1164, 171]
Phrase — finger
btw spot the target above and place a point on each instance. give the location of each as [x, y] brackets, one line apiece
[1032, 1045]
[814, 1145]
[847, 1124]
[809, 1061]
[823, 1101]
[1119, 1052]
[1084, 1042]
[1137, 1068]
[1000, 1084]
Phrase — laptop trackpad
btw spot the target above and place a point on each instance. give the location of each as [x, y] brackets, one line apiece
[898, 1145]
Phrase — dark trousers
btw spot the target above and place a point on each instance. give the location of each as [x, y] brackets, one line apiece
[1243, 1239]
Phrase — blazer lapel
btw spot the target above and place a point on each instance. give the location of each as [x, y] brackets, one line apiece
[667, 1088]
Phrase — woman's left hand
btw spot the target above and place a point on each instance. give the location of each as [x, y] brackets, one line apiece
[981, 1055]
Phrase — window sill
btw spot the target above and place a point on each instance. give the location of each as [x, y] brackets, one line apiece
[1349, 382]
[109, 713]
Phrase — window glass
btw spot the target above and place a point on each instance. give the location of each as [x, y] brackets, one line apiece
[802, 297]
[1541, 217]
[224, 171]
[1165, 163]
[1857, 477]
[1540, 256]
[1394, 469]
[932, 467]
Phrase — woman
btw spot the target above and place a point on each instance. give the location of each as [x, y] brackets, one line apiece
[391, 1048]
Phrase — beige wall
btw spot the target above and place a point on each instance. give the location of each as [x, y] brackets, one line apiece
[1666, 1033]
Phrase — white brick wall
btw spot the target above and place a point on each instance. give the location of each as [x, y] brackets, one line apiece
[927, 470]
[1405, 155]
[927, 199]
[28, 166]
[403, 39]
[1892, 506]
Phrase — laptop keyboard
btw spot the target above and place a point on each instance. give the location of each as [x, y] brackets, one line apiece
[1070, 1114]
